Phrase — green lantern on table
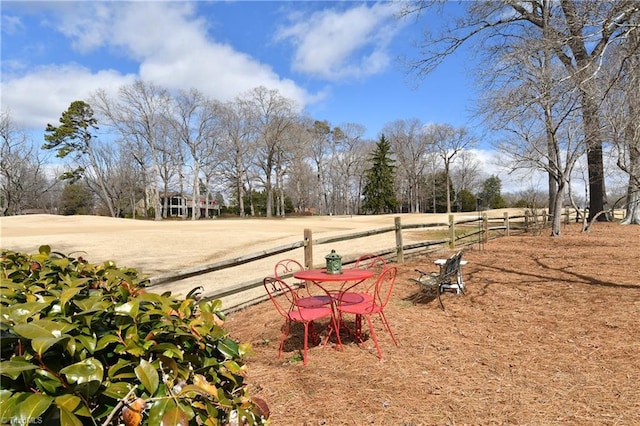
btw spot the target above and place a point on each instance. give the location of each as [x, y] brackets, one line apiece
[334, 263]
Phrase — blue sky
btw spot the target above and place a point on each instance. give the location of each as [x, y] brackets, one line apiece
[338, 60]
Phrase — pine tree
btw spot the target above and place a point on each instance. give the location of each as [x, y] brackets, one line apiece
[378, 192]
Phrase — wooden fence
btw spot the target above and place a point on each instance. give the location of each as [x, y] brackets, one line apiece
[460, 233]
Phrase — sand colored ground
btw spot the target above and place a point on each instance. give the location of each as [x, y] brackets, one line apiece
[547, 333]
[157, 248]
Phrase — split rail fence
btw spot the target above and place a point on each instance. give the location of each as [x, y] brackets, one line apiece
[455, 233]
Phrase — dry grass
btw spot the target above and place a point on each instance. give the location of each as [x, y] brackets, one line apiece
[548, 333]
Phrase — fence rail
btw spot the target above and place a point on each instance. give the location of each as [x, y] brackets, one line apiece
[464, 232]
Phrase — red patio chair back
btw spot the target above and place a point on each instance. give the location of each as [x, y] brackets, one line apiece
[383, 288]
[282, 296]
[363, 291]
[370, 261]
[308, 295]
[286, 301]
[286, 267]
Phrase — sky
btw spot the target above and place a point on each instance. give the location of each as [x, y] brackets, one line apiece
[339, 61]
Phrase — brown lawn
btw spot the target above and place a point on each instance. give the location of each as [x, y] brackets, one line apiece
[547, 334]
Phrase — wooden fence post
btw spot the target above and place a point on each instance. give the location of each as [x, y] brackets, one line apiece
[399, 249]
[452, 233]
[506, 224]
[485, 228]
[308, 249]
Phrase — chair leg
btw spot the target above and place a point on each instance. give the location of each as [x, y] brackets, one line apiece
[285, 333]
[306, 343]
[373, 336]
[388, 327]
[439, 299]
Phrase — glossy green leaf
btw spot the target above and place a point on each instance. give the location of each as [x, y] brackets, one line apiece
[13, 369]
[48, 385]
[20, 312]
[233, 367]
[168, 349]
[42, 328]
[8, 408]
[88, 342]
[73, 404]
[68, 293]
[91, 304]
[84, 371]
[105, 340]
[158, 409]
[67, 418]
[42, 344]
[129, 308]
[148, 376]
[31, 409]
[228, 348]
[117, 390]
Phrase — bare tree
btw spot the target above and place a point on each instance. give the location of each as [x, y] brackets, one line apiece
[274, 115]
[350, 163]
[533, 103]
[192, 117]
[237, 142]
[622, 115]
[466, 173]
[448, 142]
[137, 115]
[319, 140]
[23, 182]
[411, 149]
[578, 34]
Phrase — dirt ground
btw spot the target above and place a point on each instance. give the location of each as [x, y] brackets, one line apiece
[548, 333]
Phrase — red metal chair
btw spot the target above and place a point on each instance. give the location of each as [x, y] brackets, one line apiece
[363, 292]
[286, 301]
[383, 288]
[308, 295]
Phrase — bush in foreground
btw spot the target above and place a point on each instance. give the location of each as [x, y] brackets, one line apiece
[85, 344]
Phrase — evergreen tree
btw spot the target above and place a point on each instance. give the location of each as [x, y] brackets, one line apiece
[76, 199]
[378, 192]
[436, 198]
[75, 136]
[491, 193]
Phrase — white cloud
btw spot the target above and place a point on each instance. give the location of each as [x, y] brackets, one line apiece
[341, 44]
[493, 163]
[41, 96]
[166, 39]
[171, 44]
[11, 24]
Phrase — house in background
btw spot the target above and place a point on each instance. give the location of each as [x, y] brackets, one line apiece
[179, 205]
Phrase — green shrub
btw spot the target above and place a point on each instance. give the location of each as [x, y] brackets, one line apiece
[85, 344]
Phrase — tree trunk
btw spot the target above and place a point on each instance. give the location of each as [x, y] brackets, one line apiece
[595, 163]
[556, 225]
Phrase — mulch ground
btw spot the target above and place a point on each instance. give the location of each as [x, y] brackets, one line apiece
[548, 333]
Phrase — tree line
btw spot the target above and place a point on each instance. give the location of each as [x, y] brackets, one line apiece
[256, 154]
[560, 83]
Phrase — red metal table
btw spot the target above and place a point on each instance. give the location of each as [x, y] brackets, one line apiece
[322, 279]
